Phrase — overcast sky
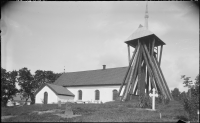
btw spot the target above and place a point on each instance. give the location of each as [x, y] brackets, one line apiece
[86, 35]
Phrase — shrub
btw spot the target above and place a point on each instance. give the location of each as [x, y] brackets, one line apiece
[191, 104]
[145, 101]
[162, 100]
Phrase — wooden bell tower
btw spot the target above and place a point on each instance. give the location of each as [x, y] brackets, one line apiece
[144, 72]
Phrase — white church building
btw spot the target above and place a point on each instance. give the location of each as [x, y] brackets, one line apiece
[93, 86]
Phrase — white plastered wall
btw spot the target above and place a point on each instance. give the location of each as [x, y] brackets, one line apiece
[88, 93]
[52, 97]
[65, 98]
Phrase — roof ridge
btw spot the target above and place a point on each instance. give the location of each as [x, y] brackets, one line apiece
[50, 83]
[55, 84]
[95, 70]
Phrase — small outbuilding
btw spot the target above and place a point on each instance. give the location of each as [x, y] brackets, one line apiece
[18, 100]
[50, 93]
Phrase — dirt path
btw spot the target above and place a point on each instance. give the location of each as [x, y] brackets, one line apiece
[67, 116]
[6, 117]
[58, 113]
[49, 111]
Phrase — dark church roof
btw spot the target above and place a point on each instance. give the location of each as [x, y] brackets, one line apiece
[58, 90]
[142, 33]
[111, 76]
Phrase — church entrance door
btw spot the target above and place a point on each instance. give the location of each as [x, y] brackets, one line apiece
[45, 97]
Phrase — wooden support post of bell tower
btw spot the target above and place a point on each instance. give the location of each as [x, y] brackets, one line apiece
[161, 48]
[144, 72]
[128, 53]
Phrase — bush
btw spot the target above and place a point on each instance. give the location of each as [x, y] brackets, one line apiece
[162, 100]
[191, 105]
[145, 101]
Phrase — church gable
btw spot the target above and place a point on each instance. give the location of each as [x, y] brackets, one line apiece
[58, 90]
[50, 93]
[45, 95]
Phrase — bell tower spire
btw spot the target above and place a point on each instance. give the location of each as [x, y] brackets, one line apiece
[146, 16]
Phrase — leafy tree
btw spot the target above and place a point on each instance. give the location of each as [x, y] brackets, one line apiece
[3, 84]
[8, 87]
[187, 82]
[182, 96]
[51, 77]
[175, 93]
[42, 77]
[197, 82]
[195, 91]
[26, 82]
[39, 77]
[191, 102]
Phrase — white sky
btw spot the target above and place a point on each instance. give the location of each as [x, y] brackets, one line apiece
[85, 35]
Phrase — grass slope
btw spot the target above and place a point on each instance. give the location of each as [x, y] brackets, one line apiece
[109, 112]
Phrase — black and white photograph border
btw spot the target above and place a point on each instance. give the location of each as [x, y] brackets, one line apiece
[100, 61]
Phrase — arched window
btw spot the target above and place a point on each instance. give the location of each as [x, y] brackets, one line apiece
[97, 95]
[115, 94]
[79, 95]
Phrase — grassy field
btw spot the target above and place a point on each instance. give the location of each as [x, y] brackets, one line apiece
[108, 112]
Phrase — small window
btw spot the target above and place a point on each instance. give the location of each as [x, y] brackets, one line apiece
[97, 95]
[79, 95]
[115, 94]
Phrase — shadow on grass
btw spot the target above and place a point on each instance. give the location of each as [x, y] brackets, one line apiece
[181, 117]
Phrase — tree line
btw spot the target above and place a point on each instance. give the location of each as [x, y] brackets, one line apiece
[192, 88]
[27, 82]
[189, 99]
